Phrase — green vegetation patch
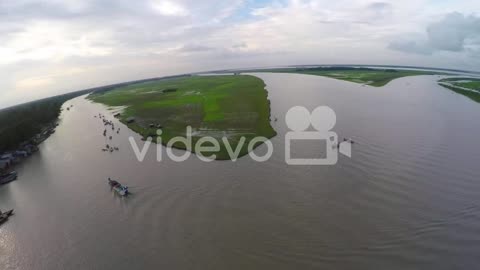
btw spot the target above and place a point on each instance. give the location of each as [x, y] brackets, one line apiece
[469, 83]
[469, 87]
[218, 106]
[368, 76]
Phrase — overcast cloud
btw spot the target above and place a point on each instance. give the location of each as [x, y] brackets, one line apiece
[455, 33]
[52, 46]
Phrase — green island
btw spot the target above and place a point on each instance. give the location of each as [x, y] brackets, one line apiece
[368, 76]
[469, 87]
[372, 77]
[230, 106]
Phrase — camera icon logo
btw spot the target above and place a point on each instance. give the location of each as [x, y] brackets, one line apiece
[322, 119]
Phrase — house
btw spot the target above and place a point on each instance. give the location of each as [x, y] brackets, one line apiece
[39, 138]
[4, 165]
[30, 148]
[21, 153]
[9, 157]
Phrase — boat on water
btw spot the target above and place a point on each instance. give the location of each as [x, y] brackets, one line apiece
[7, 178]
[5, 215]
[119, 188]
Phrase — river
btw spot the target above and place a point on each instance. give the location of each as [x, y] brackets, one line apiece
[409, 198]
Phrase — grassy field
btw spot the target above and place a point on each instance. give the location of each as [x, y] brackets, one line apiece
[469, 83]
[368, 76]
[216, 106]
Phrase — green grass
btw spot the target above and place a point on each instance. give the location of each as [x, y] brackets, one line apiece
[367, 76]
[474, 85]
[216, 106]
[469, 83]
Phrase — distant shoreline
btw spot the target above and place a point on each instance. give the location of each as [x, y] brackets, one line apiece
[251, 69]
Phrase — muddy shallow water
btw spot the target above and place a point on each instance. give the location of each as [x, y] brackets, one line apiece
[409, 198]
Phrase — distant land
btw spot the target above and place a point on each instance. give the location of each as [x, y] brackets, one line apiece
[19, 124]
[469, 87]
[380, 75]
[368, 76]
[475, 73]
[32, 117]
[266, 69]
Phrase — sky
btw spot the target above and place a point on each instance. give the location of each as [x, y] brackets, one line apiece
[49, 47]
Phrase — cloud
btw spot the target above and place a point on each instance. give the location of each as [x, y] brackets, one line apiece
[34, 83]
[194, 48]
[454, 33]
[168, 8]
[380, 6]
[240, 45]
[411, 46]
[118, 40]
[380, 9]
[54, 42]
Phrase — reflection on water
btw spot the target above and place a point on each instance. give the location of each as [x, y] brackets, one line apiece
[408, 198]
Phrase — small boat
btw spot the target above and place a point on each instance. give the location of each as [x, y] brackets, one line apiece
[7, 178]
[5, 215]
[119, 188]
[8, 213]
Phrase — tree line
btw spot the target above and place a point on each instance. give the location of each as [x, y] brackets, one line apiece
[22, 122]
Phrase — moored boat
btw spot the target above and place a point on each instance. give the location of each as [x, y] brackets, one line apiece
[7, 178]
[119, 188]
[5, 215]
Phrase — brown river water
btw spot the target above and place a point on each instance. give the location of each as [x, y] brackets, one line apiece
[409, 198]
